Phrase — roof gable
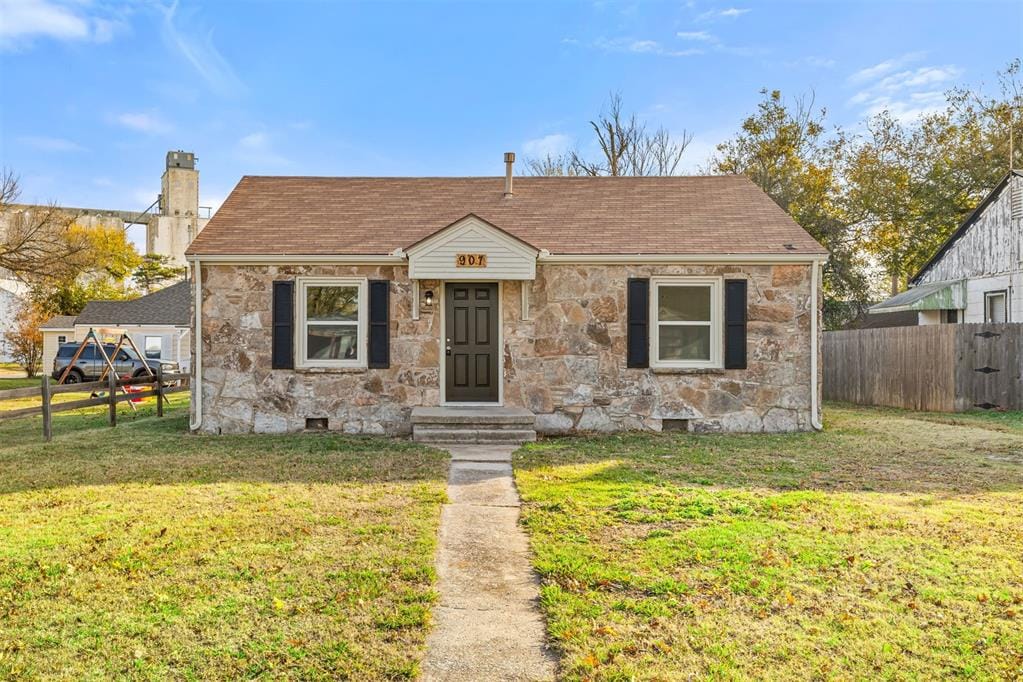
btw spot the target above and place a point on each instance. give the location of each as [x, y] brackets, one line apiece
[472, 248]
[964, 227]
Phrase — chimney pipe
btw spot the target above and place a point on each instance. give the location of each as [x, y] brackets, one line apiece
[509, 162]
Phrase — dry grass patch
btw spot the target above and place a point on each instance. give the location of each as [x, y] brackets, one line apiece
[888, 547]
[144, 552]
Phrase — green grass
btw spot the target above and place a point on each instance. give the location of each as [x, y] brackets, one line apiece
[888, 547]
[144, 552]
[9, 382]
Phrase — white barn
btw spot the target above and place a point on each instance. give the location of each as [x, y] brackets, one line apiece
[977, 274]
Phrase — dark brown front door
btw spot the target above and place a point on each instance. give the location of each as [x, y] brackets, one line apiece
[471, 318]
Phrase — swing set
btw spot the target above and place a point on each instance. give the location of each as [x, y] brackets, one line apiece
[108, 365]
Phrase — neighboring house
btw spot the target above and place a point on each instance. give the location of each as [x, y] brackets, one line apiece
[598, 304]
[159, 324]
[12, 296]
[977, 274]
[56, 330]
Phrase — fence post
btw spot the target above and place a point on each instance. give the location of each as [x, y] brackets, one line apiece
[47, 423]
[159, 390]
[112, 396]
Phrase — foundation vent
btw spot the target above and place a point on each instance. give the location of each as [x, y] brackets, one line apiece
[316, 424]
[674, 425]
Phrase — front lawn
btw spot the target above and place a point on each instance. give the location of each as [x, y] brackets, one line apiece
[888, 547]
[144, 552]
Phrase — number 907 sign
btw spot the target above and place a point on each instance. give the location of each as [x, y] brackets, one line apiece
[470, 260]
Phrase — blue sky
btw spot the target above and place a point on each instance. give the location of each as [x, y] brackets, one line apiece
[92, 93]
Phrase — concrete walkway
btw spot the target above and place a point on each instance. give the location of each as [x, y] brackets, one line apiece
[487, 625]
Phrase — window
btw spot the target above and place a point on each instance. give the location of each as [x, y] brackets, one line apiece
[331, 329]
[995, 308]
[154, 347]
[686, 319]
[61, 338]
[951, 316]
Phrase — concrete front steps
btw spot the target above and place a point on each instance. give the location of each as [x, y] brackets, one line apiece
[472, 425]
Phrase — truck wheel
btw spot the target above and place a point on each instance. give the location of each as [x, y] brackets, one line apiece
[74, 377]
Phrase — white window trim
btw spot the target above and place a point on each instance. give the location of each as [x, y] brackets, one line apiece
[717, 311]
[988, 295]
[301, 337]
[145, 346]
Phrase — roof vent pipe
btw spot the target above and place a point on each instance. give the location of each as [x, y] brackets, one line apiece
[509, 162]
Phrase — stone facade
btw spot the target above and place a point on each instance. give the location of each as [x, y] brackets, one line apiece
[566, 363]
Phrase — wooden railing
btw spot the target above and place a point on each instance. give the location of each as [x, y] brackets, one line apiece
[162, 386]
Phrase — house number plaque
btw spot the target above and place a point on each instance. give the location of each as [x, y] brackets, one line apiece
[470, 260]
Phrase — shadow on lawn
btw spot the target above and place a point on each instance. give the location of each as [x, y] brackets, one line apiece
[161, 452]
[891, 455]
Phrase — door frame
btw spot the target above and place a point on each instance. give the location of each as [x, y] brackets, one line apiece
[442, 379]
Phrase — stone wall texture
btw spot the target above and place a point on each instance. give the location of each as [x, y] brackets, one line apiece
[566, 363]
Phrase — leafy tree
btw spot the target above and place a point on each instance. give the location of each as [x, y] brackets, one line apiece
[788, 151]
[70, 297]
[156, 270]
[908, 185]
[100, 276]
[25, 339]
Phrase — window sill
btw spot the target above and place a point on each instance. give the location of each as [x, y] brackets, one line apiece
[330, 370]
[687, 370]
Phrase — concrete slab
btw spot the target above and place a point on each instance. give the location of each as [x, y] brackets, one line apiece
[481, 453]
[472, 415]
[483, 484]
[487, 624]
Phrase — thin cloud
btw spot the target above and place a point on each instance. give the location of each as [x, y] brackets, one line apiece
[256, 149]
[698, 36]
[813, 62]
[637, 46]
[907, 94]
[50, 144]
[554, 144]
[729, 13]
[195, 45]
[714, 43]
[882, 68]
[24, 21]
[141, 122]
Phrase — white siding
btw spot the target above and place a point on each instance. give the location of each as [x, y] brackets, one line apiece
[50, 344]
[975, 289]
[989, 256]
[506, 257]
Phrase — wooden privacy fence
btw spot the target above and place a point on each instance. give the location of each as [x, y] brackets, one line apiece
[941, 368]
[162, 386]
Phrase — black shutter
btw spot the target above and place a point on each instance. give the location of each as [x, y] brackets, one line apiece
[379, 324]
[735, 324]
[282, 355]
[639, 323]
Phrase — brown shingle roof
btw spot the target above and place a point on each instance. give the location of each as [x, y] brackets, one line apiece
[59, 322]
[659, 215]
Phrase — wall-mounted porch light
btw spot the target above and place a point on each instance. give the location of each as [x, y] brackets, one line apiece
[428, 297]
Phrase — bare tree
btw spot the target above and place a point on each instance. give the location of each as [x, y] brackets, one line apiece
[37, 242]
[552, 165]
[626, 146]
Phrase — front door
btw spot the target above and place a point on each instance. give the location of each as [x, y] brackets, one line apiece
[471, 318]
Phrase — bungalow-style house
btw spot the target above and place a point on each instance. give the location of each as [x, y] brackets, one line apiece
[977, 273]
[370, 305]
[159, 324]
